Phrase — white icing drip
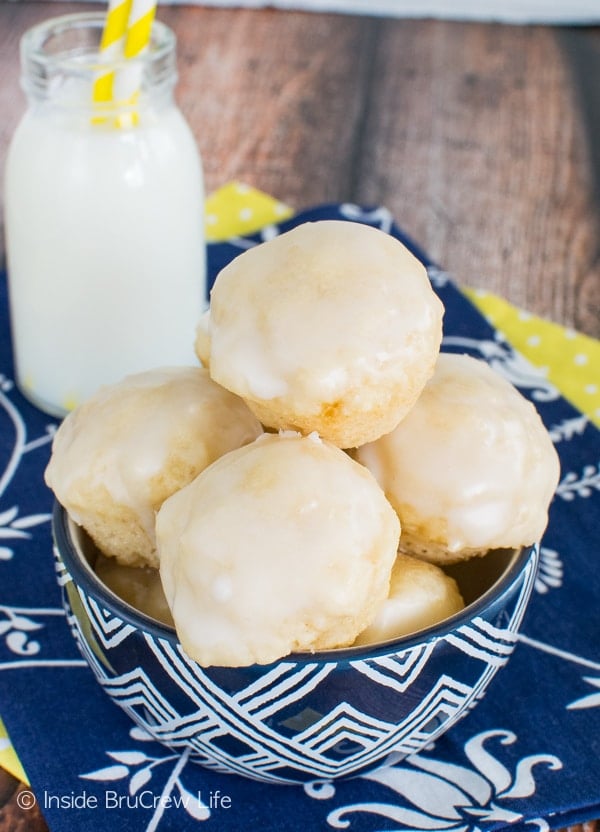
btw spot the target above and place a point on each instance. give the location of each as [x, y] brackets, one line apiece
[322, 309]
[471, 464]
[272, 546]
[124, 438]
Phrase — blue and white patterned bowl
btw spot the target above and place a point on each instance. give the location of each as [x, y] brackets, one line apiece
[308, 716]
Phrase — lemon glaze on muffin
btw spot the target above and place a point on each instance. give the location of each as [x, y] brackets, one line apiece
[332, 327]
[421, 594]
[284, 545]
[120, 454]
[471, 468]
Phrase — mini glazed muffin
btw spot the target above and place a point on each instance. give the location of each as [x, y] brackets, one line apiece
[332, 327]
[471, 468]
[284, 545]
[119, 455]
[421, 594]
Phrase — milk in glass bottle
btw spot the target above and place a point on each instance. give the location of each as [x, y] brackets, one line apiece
[104, 219]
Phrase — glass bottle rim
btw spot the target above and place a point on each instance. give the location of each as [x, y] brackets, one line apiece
[35, 40]
[68, 46]
[81, 58]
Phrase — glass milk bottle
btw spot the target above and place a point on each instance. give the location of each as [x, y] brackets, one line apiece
[104, 218]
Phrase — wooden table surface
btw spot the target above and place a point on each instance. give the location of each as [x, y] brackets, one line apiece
[478, 137]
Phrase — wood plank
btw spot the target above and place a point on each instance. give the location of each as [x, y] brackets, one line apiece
[477, 145]
[13, 796]
[268, 103]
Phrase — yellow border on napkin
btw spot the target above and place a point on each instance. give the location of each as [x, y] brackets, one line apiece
[570, 360]
[237, 209]
[8, 756]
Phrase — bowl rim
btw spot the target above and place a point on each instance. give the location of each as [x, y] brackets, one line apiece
[84, 576]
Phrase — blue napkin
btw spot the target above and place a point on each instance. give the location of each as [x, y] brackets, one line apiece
[528, 756]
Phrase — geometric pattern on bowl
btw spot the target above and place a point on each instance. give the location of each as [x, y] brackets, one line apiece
[327, 715]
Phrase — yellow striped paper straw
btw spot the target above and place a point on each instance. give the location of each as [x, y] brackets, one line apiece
[126, 35]
[112, 47]
[139, 29]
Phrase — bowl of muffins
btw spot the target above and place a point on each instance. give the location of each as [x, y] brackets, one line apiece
[307, 556]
